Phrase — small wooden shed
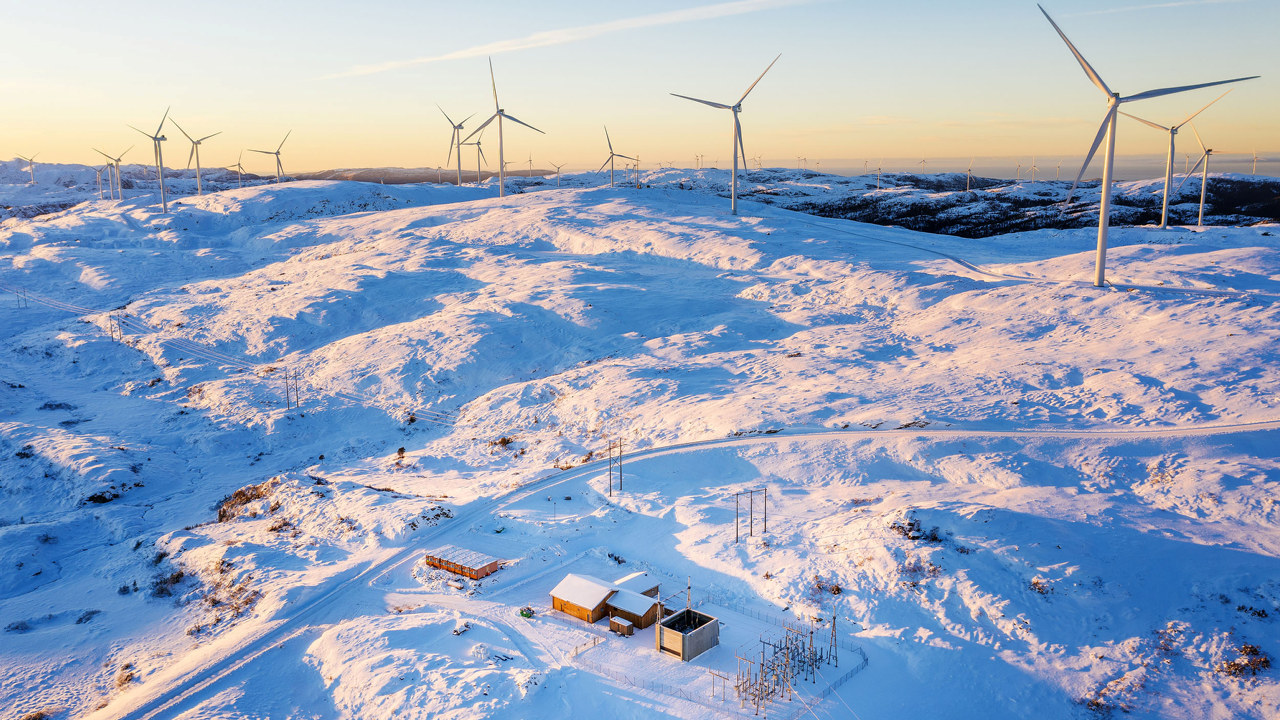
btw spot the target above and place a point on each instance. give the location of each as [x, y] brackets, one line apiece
[467, 563]
[581, 596]
[622, 626]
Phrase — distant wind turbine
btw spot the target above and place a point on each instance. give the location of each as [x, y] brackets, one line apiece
[499, 114]
[98, 171]
[239, 170]
[1172, 130]
[609, 160]
[968, 175]
[115, 162]
[1034, 168]
[530, 165]
[557, 167]
[737, 133]
[1204, 176]
[276, 152]
[31, 166]
[924, 165]
[195, 152]
[479, 156]
[155, 142]
[1108, 132]
[455, 141]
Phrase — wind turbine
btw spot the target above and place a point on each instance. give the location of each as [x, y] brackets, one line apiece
[1034, 168]
[115, 162]
[98, 172]
[609, 161]
[31, 166]
[530, 165]
[1108, 132]
[479, 155]
[1204, 176]
[557, 167]
[878, 174]
[195, 152]
[499, 114]
[276, 152]
[1018, 173]
[1057, 174]
[1172, 130]
[155, 142]
[924, 165]
[968, 175]
[454, 140]
[737, 133]
[239, 170]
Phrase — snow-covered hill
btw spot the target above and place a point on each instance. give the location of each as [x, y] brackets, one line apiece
[228, 434]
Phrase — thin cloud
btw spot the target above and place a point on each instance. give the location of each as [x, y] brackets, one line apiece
[1153, 6]
[567, 35]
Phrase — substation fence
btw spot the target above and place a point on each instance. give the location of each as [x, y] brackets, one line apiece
[683, 693]
[778, 620]
[120, 325]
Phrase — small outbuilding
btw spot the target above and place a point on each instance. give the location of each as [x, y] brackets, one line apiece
[640, 610]
[467, 563]
[622, 626]
[687, 634]
[582, 596]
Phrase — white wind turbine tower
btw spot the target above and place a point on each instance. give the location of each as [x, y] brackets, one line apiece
[98, 171]
[115, 162]
[924, 165]
[455, 141]
[1034, 168]
[155, 142]
[1108, 132]
[557, 167]
[276, 152]
[609, 160]
[737, 133]
[1172, 130]
[1018, 173]
[530, 165]
[499, 114]
[195, 152]
[31, 166]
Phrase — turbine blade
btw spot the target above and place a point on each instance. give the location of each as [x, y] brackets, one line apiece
[464, 121]
[753, 85]
[1148, 123]
[206, 137]
[607, 140]
[1188, 175]
[452, 138]
[281, 145]
[1182, 88]
[1088, 69]
[446, 116]
[103, 154]
[704, 102]
[1197, 134]
[737, 127]
[264, 152]
[482, 157]
[1102, 133]
[153, 137]
[481, 128]
[606, 162]
[1206, 107]
[161, 125]
[184, 132]
[126, 152]
[493, 82]
[522, 123]
[627, 157]
[191, 155]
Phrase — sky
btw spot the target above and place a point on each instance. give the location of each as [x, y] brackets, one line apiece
[858, 84]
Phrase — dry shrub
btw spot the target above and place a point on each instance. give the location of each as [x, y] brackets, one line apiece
[231, 505]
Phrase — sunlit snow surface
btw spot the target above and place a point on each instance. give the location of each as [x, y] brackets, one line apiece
[1100, 465]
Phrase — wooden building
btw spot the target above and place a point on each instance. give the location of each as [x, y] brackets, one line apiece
[467, 563]
[641, 610]
[582, 596]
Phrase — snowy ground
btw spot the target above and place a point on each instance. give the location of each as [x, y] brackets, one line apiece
[1032, 495]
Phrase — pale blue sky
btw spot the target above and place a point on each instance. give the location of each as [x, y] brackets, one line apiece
[857, 80]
